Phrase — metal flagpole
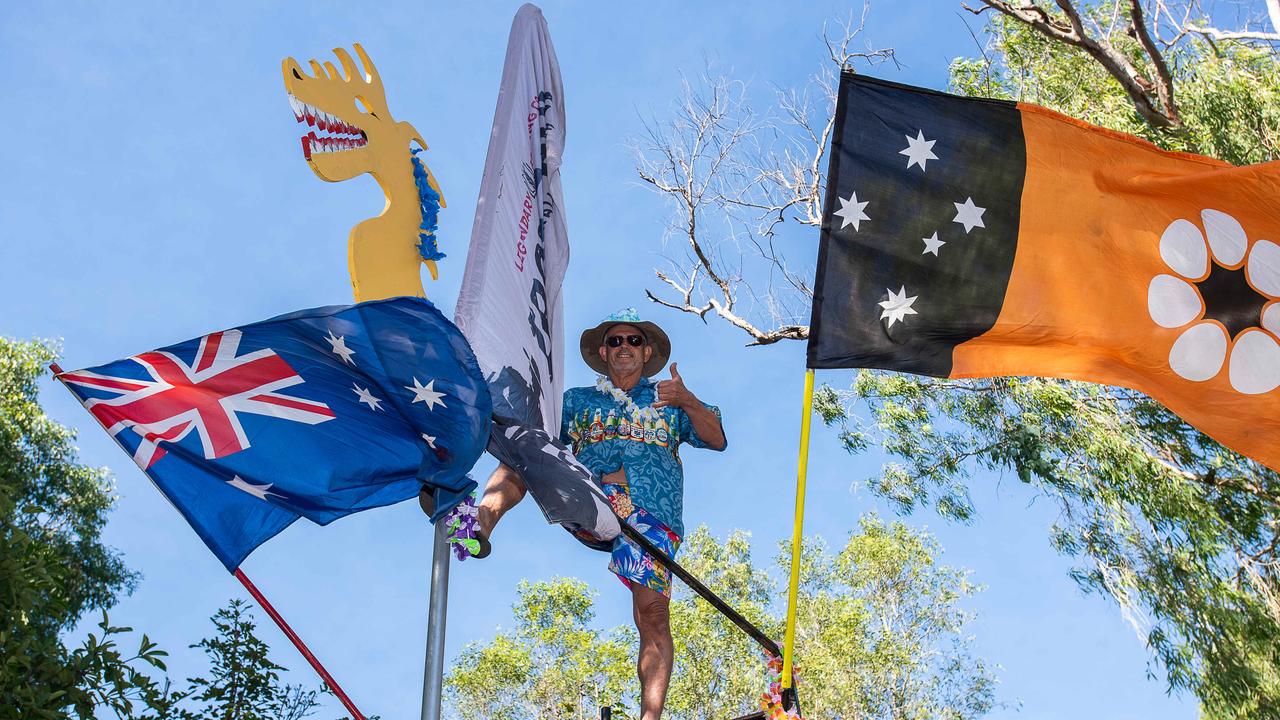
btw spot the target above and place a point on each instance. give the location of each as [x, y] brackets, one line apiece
[433, 671]
[797, 533]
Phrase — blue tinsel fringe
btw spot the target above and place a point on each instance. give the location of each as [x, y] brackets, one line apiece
[429, 200]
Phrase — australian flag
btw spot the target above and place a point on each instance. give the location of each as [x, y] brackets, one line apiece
[316, 414]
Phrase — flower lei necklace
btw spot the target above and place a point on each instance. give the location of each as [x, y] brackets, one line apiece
[608, 388]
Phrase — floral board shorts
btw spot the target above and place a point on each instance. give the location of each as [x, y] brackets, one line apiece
[631, 564]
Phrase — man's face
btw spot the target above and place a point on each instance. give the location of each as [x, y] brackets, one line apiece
[626, 358]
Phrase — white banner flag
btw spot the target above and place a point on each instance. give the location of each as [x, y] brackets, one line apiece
[509, 306]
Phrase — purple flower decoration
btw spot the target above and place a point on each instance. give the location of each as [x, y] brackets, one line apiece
[462, 524]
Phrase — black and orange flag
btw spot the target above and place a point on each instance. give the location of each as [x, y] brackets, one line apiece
[967, 238]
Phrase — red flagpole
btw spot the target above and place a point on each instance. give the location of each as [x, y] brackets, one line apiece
[297, 642]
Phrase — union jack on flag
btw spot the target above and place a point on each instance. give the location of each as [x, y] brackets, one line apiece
[316, 414]
[205, 396]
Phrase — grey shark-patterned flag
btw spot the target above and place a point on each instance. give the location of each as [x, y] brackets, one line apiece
[920, 229]
[563, 487]
[965, 237]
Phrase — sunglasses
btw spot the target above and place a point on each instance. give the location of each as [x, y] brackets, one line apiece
[614, 341]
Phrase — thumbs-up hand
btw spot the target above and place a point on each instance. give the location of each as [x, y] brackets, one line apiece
[673, 392]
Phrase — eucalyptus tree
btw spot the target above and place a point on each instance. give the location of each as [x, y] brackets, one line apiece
[882, 634]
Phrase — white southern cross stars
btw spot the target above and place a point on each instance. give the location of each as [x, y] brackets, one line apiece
[932, 243]
[426, 393]
[898, 306]
[339, 348]
[431, 441]
[850, 212]
[366, 397]
[969, 215]
[918, 151]
[259, 491]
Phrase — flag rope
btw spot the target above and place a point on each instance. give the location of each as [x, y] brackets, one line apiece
[297, 642]
[797, 532]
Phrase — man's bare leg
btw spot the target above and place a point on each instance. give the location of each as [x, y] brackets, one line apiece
[652, 613]
[504, 490]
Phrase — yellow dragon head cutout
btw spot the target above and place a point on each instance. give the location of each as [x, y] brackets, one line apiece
[354, 133]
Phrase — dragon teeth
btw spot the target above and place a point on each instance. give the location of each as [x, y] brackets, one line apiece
[316, 117]
[311, 143]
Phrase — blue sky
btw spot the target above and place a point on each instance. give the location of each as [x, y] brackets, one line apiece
[154, 190]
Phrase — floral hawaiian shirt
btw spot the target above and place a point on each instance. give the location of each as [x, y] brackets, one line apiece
[604, 438]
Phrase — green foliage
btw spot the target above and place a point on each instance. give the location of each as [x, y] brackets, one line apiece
[882, 631]
[1177, 530]
[719, 672]
[1228, 93]
[880, 634]
[110, 681]
[52, 499]
[548, 664]
[53, 565]
[243, 683]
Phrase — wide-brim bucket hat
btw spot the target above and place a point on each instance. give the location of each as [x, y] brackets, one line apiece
[593, 338]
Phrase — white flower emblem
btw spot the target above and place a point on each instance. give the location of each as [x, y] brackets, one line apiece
[1250, 353]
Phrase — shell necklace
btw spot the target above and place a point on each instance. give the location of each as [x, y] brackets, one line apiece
[608, 388]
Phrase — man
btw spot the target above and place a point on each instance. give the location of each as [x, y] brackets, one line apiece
[627, 429]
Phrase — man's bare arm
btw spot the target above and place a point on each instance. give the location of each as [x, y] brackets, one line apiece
[705, 422]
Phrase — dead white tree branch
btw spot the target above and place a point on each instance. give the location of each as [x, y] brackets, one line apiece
[734, 179]
[1217, 34]
[1246, 35]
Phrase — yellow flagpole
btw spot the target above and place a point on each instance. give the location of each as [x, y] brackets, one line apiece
[797, 532]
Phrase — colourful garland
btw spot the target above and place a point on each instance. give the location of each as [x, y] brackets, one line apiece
[771, 700]
[461, 523]
[429, 200]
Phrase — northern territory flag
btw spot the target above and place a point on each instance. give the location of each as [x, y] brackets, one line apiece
[969, 238]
